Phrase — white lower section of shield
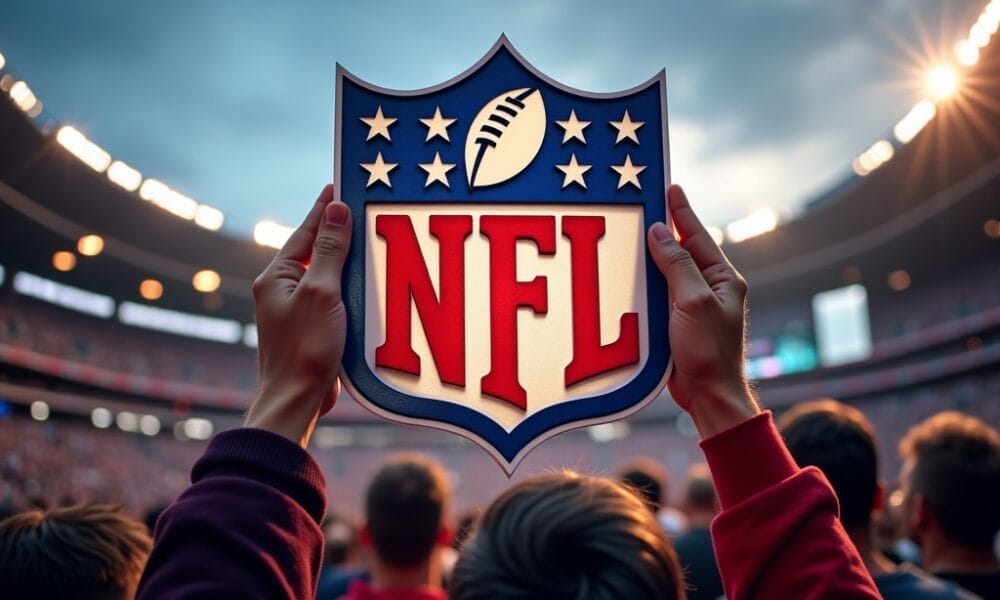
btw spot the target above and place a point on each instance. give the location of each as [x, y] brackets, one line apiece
[544, 340]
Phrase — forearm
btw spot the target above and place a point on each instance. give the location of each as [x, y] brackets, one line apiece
[247, 527]
[779, 534]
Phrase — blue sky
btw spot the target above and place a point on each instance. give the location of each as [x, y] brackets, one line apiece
[231, 102]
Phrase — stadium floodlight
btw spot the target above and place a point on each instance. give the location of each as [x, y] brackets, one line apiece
[915, 120]
[197, 428]
[169, 200]
[63, 295]
[179, 323]
[271, 234]
[151, 289]
[967, 53]
[209, 217]
[979, 35]
[39, 410]
[127, 421]
[752, 225]
[124, 176]
[942, 81]
[3, 61]
[25, 99]
[90, 245]
[87, 151]
[63, 260]
[206, 281]
[149, 425]
[101, 417]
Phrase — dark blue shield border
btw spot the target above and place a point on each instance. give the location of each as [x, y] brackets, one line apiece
[502, 69]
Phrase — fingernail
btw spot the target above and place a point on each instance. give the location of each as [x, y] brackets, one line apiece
[660, 231]
[336, 214]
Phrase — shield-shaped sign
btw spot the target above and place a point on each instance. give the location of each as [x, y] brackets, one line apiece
[498, 283]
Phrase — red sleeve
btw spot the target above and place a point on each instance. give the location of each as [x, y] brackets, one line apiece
[248, 527]
[779, 535]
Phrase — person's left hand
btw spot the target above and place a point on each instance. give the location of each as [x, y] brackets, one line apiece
[302, 323]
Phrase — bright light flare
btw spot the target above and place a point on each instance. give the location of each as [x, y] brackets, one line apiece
[87, 151]
[206, 281]
[209, 217]
[271, 234]
[173, 202]
[124, 176]
[752, 225]
[25, 99]
[63, 260]
[873, 157]
[942, 82]
[915, 120]
[967, 53]
[39, 410]
[3, 61]
[90, 245]
[151, 289]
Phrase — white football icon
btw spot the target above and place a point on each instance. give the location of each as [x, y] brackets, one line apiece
[505, 137]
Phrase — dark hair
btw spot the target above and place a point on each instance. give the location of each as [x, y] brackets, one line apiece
[957, 470]
[87, 551]
[646, 477]
[700, 492]
[566, 535]
[840, 442]
[405, 507]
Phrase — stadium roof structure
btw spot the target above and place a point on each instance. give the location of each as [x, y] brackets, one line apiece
[920, 209]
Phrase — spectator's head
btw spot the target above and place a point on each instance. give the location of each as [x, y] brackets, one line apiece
[839, 441]
[341, 539]
[405, 508]
[951, 480]
[699, 496]
[566, 535]
[90, 552]
[648, 478]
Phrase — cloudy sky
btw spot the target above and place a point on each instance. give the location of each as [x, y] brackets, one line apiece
[231, 102]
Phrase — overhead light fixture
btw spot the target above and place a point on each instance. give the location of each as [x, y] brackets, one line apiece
[64, 261]
[271, 234]
[151, 289]
[206, 281]
[63, 295]
[90, 245]
[124, 176]
[179, 323]
[87, 151]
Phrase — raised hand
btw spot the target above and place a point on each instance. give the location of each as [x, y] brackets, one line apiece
[302, 323]
[707, 321]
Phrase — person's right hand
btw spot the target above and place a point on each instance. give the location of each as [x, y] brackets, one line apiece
[707, 321]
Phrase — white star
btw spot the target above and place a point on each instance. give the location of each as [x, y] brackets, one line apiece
[573, 172]
[573, 128]
[437, 171]
[378, 125]
[378, 171]
[627, 128]
[628, 173]
[437, 125]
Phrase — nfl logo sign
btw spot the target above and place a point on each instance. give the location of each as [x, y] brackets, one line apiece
[498, 284]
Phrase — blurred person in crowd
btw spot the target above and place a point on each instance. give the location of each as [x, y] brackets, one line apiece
[249, 523]
[840, 441]
[341, 556]
[694, 547]
[85, 552]
[405, 510]
[950, 480]
[464, 526]
[651, 480]
[566, 535]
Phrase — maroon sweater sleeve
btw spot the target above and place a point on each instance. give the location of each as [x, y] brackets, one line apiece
[248, 527]
[778, 535]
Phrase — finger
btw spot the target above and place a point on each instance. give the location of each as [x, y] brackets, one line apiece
[329, 251]
[684, 279]
[299, 245]
[693, 235]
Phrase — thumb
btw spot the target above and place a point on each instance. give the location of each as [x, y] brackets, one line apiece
[333, 242]
[684, 279]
